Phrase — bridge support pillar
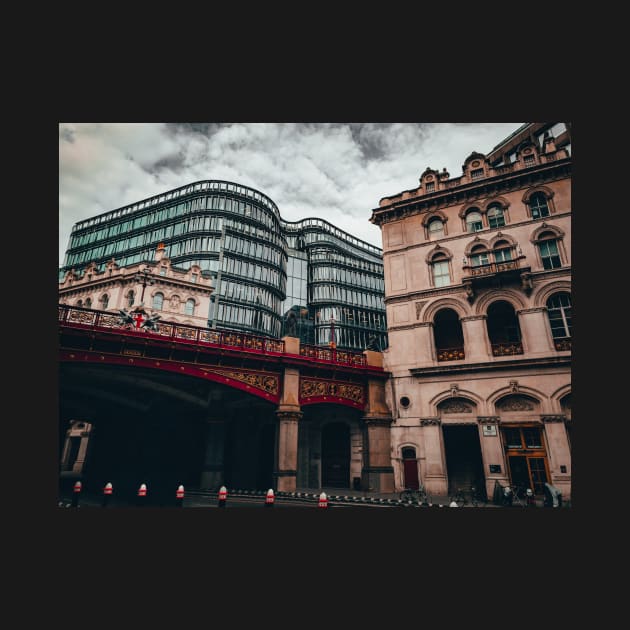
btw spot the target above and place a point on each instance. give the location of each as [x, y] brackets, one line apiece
[285, 470]
[378, 473]
[213, 473]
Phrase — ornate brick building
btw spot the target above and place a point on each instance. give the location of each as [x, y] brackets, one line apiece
[478, 301]
[179, 295]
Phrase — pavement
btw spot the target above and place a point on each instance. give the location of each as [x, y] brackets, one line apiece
[302, 497]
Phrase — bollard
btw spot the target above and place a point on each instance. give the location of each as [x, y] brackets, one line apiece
[323, 500]
[75, 494]
[222, 496]
[107, 493]
[179, 497]
[452, 504]
[142, 495]
[269, 499]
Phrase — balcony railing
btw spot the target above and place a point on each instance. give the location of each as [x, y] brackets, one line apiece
[182, 332]
[491, 268]
[562, 344]
[451, 354]
[333, 355]
[506, 349]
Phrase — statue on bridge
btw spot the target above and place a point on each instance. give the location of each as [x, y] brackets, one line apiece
[290, 324]
[138, 318]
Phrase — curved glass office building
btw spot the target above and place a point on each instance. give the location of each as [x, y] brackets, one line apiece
[271, 276]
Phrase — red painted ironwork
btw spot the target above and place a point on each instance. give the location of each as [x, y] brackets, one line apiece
[83, 318]
[332, 355]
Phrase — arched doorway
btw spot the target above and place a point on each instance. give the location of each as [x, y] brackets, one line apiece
[336, 455]
[410, 468]
[464, 464]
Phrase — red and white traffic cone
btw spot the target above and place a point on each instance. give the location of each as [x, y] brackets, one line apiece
[107, 493]
[75, 494]
[179, 497]
[270, 498]
[222, 496]
[142, 495]
[323, 500]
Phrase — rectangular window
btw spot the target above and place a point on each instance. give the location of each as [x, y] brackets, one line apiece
[430, 186]
[549, 254]
[529, 160]
[441, 274]
[476, 174]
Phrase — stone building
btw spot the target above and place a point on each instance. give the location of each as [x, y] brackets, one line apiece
[478, 303]
[179, 295]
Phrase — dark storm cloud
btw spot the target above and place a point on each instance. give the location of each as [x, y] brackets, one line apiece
[66, 134]
[175, 162]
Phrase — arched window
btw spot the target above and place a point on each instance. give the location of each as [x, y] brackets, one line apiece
[158, 301]
[448, 335]
[436, 228]
[502, 251]
[440, 270]
[474, 221]
[88, 303]
[549, 253]
[479, 256]
[189, 309]
[130, 298]
[503, 329]
[496, 217]
[559, 312]
[538, 205]
[79, 302]
[104, 301]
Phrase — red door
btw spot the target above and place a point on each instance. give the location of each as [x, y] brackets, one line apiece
[410, 468]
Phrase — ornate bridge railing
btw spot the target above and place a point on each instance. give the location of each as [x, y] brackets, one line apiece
[184, 333]
[180, 332]
[333, 355]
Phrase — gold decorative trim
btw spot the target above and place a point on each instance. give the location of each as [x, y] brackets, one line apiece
[315, 388]
[269, 383]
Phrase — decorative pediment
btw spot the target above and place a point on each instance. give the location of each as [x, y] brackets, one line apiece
[455, 405]
[517, 403]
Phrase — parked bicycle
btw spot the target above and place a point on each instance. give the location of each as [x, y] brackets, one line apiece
[473, 495]
[412, 495]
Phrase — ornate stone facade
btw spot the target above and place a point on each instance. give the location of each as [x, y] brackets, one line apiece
[494, 337]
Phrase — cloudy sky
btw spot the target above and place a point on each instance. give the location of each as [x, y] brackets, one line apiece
[336, 171]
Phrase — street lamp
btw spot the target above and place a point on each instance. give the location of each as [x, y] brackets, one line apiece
[146, 277]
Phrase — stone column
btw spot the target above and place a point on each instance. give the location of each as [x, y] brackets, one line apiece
[492, 454]
[285, 471]
[476, 340]
[559, 453]
[535, 331]
[377, 474]
[213, 474]
[435, 467]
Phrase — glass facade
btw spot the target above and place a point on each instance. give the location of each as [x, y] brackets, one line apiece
[262, 266]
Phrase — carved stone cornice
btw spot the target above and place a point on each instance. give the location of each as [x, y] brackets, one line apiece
[472, 318]
[427, 422]
[488, 419]
[537, 309]
[553, 418]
